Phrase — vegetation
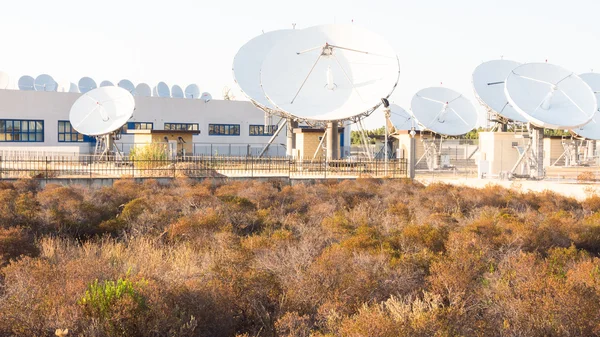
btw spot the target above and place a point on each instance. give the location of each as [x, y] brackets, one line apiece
[248, 258]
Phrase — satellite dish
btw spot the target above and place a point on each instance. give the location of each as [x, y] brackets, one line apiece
[4, 80]
[330, 72]
[550, 96]
[488, 82]
[45, 82]
[106, 84]
[444, 111]
[402, 119]
[192, 91]
[73, 87]
[101, 111]
[127, 85]
[591, 130]
[63, 86]
[248, 61]
[162, 90]
[206, 97]
[26, 83]
[176, 91]
[143, 89]
[86, 84]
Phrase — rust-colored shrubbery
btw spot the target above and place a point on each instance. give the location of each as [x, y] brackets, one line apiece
[367, 257]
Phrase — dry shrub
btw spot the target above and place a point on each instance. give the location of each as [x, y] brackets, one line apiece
[14, 243]
[586, 176]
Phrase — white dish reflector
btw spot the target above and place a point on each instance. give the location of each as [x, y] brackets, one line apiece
[444, 111]
[488, 82]
[102, 110]
[550, 96]
[591, 130]
[402, 119]
[330, 72]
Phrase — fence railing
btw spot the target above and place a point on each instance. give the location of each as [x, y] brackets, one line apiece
[86, 166]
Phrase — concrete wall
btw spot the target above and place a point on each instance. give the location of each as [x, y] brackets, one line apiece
[496, 148]
[54, 106]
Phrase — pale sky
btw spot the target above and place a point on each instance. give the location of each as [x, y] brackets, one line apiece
[186, 41]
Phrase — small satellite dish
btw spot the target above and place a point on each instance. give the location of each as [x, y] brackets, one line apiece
[444, 111]
[106, 84]
[102, 110]
[330, 72]
[402, 119]
[143, 89]
[176, 91]
[248, 61]
[192, 91]
[162, 89]
[488, 82]
[26, 83]
[127, 85]
[550, 96]
[63, 86]
[206, 97]
[86, 84]
[591, 130]
[45, 82]
[73, 87]
[4, 80]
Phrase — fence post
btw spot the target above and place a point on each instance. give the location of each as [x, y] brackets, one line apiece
[89, 165]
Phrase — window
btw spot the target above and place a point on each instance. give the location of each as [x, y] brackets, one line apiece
[19, 130]
[66, 133]
[140, 126]
[262, 130]
[223, 129]
[182, 126]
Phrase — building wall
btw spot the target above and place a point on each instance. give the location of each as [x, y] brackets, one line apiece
[496, 149]
[54, 106]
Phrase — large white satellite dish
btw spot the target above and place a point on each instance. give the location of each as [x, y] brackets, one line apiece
[444, 111]
[106, 83]
[102, 110]
[330, 72]
[206, 97]
[402, 119]
[192, 91]
[127, 85]
[550, 96]
[4, 80]
[248, 61]
[73, 87]
[162, 90]
[488, 82]
[591, 130]
[45, 82]
[143, 89]
[86, 84]
[26, 83]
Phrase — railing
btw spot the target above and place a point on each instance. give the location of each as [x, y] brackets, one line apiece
[86, 166]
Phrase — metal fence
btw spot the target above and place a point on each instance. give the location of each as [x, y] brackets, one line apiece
[85, 166]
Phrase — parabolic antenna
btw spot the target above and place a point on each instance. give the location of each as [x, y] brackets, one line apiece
[106, 84]
[206, 97]
[127, 85]
[4, 80]
[402, 119]
[26, 83]
[45, 82]
[102, 111]
[444, 111]
[488, 82]
[330, 72]
[176, 91]
[192, 91]
[73, 87]
[550, 96]
[591, 130]
[162, 89]
[86, 84]
[248, 61]
[143, 89]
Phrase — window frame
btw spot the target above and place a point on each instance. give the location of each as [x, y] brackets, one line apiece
[179, 126]
[273, 128]
[151, 124]
[28, 123]
[224, 130]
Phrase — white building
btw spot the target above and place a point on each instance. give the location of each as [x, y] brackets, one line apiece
[39, 121]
